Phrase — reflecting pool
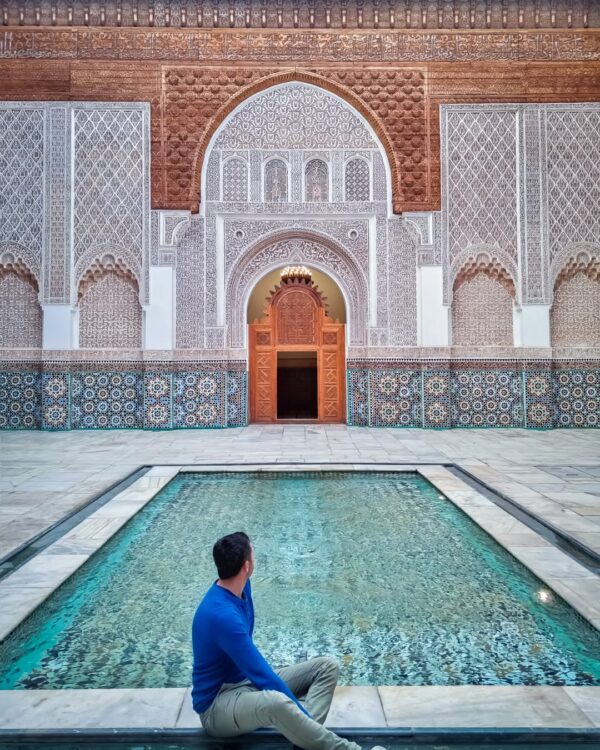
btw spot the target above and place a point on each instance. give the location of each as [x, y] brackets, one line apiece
[375, 569]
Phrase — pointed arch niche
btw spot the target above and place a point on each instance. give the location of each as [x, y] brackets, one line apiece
[296, 350]
[20, 311]
[110, 314]
[575, 312]
[482, 302]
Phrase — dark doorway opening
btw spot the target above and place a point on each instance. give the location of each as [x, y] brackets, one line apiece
[297, 385]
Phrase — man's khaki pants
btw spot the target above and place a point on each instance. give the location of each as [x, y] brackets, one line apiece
[240, 707]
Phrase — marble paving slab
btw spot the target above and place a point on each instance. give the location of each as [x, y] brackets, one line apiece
[466, 706]
[587, 698]
[87, 709]
[358, 706]
[486, 706]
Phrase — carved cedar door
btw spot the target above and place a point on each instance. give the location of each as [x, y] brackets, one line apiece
[296, 321]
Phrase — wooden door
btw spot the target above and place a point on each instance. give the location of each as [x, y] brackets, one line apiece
[263, 374]
[331, 374]
[296, 320]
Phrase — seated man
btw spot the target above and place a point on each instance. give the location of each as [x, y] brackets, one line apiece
[234, 688]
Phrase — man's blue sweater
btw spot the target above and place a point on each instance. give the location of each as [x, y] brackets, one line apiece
[224, 650]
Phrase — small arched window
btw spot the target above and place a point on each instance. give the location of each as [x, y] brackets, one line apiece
[357, 180]
[276, 181]
[235, 180]
[316, 181]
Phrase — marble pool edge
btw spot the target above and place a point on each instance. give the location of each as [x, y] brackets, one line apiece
[436, 707]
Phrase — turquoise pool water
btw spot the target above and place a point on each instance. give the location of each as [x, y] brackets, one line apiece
[377, 570]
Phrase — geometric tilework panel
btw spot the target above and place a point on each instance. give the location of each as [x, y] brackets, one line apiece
[106, 400]
[357, 397]
[576, 395]
[395, 398]
[486, 398]
[536, 395]
[237, 398]
[20, 401]
[199, 399]
[436, 398]
[56, 400]
[154, 399]
[158, 400]
[539, 408]
[20, 313]
[539, 395]
[575, 312]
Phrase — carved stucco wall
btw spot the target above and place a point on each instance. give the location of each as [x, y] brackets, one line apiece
[480, 190]
[190, 285]
[22, 168]
[482, 312]
[198, 102]
[110, 201]
[110, 315]
[22, 180]
[74, 184]
[532, 220]
[573, 153]
[294, 116]
[269, 150]
[310, 249]
[20, 312]
[575, 314]
[481, 175]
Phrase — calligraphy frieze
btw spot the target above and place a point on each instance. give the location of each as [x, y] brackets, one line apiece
[301, 45]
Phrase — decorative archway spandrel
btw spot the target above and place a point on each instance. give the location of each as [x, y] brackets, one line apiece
[303, 248]
[197, 100]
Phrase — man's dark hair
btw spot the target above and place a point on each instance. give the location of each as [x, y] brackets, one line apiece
[230, 553]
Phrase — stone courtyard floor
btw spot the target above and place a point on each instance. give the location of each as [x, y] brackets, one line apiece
[554, 475]
[45, 475]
